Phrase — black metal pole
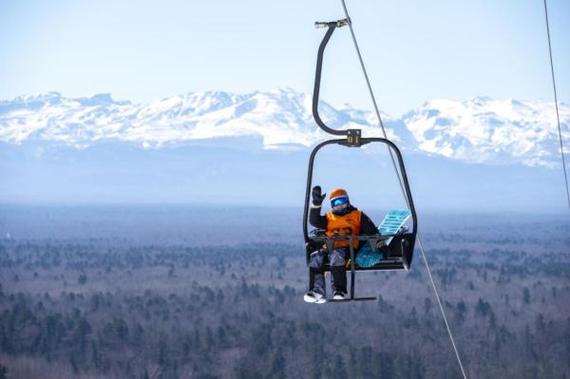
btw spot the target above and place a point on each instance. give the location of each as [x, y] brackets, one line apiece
[317, 86]
[309, 184]
[352, 272]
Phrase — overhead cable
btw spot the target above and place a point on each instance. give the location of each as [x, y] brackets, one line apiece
[381, 124]
[560, 138]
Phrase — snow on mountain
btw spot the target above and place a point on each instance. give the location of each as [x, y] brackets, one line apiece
[280, 117]
[483, 130]
[479, 130]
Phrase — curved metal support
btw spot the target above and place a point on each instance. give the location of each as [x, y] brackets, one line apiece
[364, 141]
[310, 183]
[316, 90]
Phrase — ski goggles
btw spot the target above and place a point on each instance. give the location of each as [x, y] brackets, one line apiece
[339, 201]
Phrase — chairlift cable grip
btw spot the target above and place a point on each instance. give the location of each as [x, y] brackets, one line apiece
[381, 124]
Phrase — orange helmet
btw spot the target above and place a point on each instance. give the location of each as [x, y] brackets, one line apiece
[337, 192]
[339, 199]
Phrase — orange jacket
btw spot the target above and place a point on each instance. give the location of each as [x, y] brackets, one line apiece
[344, 225]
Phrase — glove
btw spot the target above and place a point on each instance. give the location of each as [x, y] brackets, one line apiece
[318, 197]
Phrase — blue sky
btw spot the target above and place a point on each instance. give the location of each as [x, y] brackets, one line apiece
[415, 50]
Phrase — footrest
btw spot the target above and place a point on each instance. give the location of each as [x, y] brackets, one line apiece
[355, 299]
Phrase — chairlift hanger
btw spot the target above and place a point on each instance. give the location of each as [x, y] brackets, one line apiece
[401, 247]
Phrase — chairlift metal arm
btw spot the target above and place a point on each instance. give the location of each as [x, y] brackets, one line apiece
[316, 90]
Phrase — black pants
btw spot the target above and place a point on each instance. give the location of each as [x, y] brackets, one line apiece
[337, 260]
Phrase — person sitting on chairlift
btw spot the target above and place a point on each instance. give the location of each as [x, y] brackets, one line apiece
[342, 220]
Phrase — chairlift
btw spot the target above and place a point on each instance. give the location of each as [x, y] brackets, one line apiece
[393, 233]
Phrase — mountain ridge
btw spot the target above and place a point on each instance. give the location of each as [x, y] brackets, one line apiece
[479, 130]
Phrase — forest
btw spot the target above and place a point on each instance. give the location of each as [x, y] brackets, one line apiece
[100, 306]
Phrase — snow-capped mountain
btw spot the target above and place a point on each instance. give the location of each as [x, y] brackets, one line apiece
[219, 147]
[483, 130]
[280, 117]
[479, 130]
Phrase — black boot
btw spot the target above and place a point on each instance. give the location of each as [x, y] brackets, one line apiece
[338, 280]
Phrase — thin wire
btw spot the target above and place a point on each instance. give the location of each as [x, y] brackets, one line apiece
[556, 103]
[381, 123]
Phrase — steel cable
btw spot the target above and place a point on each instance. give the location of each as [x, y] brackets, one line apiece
[556, 103]
[381, 124]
